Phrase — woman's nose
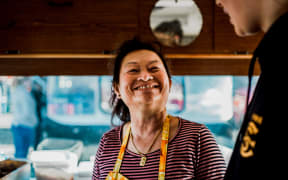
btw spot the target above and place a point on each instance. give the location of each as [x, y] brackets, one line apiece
[145, 76]
[218, 3]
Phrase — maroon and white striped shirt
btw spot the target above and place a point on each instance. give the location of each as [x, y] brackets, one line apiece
[192, 154]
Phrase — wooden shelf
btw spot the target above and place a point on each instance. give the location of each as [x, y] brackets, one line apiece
[99, 64]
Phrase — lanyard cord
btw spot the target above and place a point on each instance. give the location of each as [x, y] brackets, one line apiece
[250, 74]
[151, 145]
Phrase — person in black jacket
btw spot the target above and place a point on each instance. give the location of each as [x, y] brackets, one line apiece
[252, 151]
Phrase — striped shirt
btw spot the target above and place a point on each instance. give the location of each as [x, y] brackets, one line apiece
[192, 154]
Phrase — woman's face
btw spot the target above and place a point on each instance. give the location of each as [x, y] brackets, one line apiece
[143, 81]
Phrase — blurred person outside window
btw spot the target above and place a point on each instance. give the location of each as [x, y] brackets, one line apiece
[24, 117]
[38, 87]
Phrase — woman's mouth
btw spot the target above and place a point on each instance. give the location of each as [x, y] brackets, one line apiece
[147, 86]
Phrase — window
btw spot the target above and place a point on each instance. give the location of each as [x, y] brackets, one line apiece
[77, 108]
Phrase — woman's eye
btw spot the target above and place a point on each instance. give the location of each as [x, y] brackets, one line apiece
[133, 70]
[154, 69]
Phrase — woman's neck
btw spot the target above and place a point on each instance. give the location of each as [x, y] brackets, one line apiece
[145, 124]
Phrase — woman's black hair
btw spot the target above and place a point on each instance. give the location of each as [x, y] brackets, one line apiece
[119, 108]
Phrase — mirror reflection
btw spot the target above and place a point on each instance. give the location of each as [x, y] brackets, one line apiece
[176, 22]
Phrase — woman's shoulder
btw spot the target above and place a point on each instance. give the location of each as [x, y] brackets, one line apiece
[191, 125]
[110, 140]
[192, 129]
[188, 133]
[113, 134]
[193, 132]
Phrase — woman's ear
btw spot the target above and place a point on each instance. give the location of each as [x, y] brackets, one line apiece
[116, 90]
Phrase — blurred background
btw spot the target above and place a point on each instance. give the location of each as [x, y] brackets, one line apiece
[77, 108]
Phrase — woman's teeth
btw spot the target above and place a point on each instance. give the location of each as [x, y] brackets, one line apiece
[146, 86]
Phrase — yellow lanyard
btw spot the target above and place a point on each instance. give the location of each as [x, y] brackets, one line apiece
[115, 175]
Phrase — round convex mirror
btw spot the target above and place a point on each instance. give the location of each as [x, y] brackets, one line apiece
[176, 22]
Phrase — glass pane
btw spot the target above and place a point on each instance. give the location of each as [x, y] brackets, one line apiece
[73, 112]
[70, 95]
[105, 82]
[175, 102]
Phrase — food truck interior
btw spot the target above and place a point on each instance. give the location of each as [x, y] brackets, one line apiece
[65, 48]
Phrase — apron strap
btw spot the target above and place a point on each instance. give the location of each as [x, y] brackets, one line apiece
[122, 151]
[164, 147]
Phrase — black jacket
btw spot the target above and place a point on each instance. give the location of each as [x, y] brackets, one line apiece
[251, 156]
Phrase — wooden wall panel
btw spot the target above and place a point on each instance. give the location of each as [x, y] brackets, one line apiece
[93, 26]
[88, 26]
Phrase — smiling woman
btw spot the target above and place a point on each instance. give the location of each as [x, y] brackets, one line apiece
[132, 67]
[144, 81]
[136, 150]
